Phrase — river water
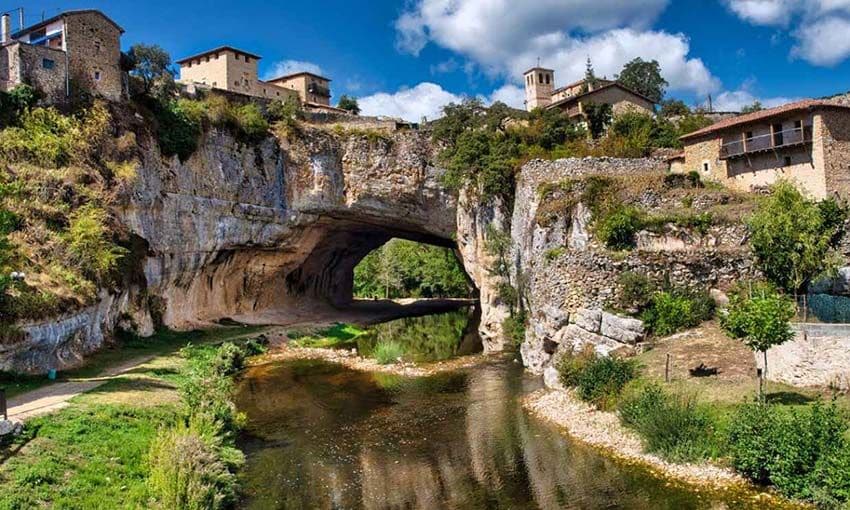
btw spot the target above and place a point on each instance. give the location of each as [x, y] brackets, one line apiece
[325, 437]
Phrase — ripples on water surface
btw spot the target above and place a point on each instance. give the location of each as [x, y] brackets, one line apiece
[322, 436]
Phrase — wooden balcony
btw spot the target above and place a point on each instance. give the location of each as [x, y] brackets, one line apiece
[767, 142]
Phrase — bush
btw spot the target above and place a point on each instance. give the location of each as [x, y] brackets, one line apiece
[802, 453]
[229, 359]
[597, 379]
[89, 244]
[669, 312]
[514, 327]
[636, 291]
[618, 227]
[179, 125]
[251, 122]
[190, 468]
[15, 103]
[388, 352]
[672, 426]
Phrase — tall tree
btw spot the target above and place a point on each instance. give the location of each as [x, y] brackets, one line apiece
[644, 77]
[590, 79]
[674, 108]
[598, 116]
[152, 65]
[349, 104]
[756, 106]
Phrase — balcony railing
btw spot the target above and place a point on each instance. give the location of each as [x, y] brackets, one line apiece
[766, 142]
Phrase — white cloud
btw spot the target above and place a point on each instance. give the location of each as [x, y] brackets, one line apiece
[506, 37]
[285, 67]
[736, 100]
[447, 66]
[824, 42]
[411, 104]
[509, 94]
[428, 99]
[764, 12]
[819, 26]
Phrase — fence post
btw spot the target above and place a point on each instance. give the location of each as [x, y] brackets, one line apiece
[3, 409]
[667, 369]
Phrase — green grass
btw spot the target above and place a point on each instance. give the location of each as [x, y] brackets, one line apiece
[94, 453]
[338, 336]
[124, 349]
[82, 457]
[388, 352]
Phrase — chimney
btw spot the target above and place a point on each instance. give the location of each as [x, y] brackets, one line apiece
[5, 27]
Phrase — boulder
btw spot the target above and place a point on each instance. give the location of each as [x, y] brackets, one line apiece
[555, 317]
[577, 337]
[588, 320]
[624, 330]
[551, 378]
[7, 427]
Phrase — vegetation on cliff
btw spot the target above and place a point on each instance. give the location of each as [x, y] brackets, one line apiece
[60, 175]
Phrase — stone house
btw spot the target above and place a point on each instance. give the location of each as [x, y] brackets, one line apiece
[311, 88]
[805, 142]
[540, 92]
[234, 70]
[231, 69]
[73, 50]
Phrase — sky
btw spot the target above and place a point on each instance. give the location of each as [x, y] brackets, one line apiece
[409, 58]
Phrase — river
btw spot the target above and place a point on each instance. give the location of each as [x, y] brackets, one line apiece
[326, 437]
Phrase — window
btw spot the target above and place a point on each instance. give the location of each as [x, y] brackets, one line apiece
[47, 63]
[778, 135]
[540, 78]
[547, 79]
[97, 76]
[749, 136]
[798, 125]
[97, 46]
[787, 160]
[706, 167]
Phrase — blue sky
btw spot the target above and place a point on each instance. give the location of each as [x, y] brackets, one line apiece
[408, 58]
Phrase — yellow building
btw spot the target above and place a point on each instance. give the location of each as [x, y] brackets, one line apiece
[806, 142]
[231, 69]
[311, 88]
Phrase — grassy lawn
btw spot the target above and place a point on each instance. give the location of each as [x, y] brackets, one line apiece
[93, 454]
[122, 351]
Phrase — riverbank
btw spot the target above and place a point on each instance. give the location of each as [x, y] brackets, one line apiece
[603, 430]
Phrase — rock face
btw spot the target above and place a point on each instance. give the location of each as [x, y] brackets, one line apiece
[566, 273]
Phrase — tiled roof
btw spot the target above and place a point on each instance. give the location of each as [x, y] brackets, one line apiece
[46, 22]
[578, 97]
[747, 118]
[218, 50]
[293, 75]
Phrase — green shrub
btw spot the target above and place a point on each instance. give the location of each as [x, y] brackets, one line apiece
[636, 291]
[388, 352]
[191, 469]
[553, 254]
[15, 103]
[669, 312]
[572, 364]
[179, 125]
[801, 452]
[618, 227]
[670, 425]
[514, 327]
[252, 124]
[602, 380]
[89, 244]
[597, 379]
[229, 359]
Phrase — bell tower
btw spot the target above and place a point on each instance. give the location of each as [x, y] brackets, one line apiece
[539, 85]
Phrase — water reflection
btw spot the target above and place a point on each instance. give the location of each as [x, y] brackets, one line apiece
[321, 436]
[429, 338]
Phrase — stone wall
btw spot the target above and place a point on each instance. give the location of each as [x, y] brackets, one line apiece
[24, 63]
[93, 43]
[567, 275]
[835, 144]
[818, 356]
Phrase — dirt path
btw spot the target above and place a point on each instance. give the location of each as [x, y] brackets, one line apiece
[56, 396]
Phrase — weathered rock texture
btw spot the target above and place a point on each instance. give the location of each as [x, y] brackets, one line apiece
[569, 278]
[818, 356]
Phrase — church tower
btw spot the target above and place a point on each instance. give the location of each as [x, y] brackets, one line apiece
[539, 85]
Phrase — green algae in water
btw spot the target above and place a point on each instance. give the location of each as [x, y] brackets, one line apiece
[323, 436]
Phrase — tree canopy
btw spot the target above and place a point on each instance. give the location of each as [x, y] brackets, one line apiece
[644, 77]
[350, 104]
[756, 106]
[152, 65]
[794, 238]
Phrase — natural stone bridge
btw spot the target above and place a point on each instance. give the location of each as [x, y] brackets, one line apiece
[275, 230]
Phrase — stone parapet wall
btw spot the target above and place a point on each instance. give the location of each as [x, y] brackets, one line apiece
[818, 356]
[24, 63]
